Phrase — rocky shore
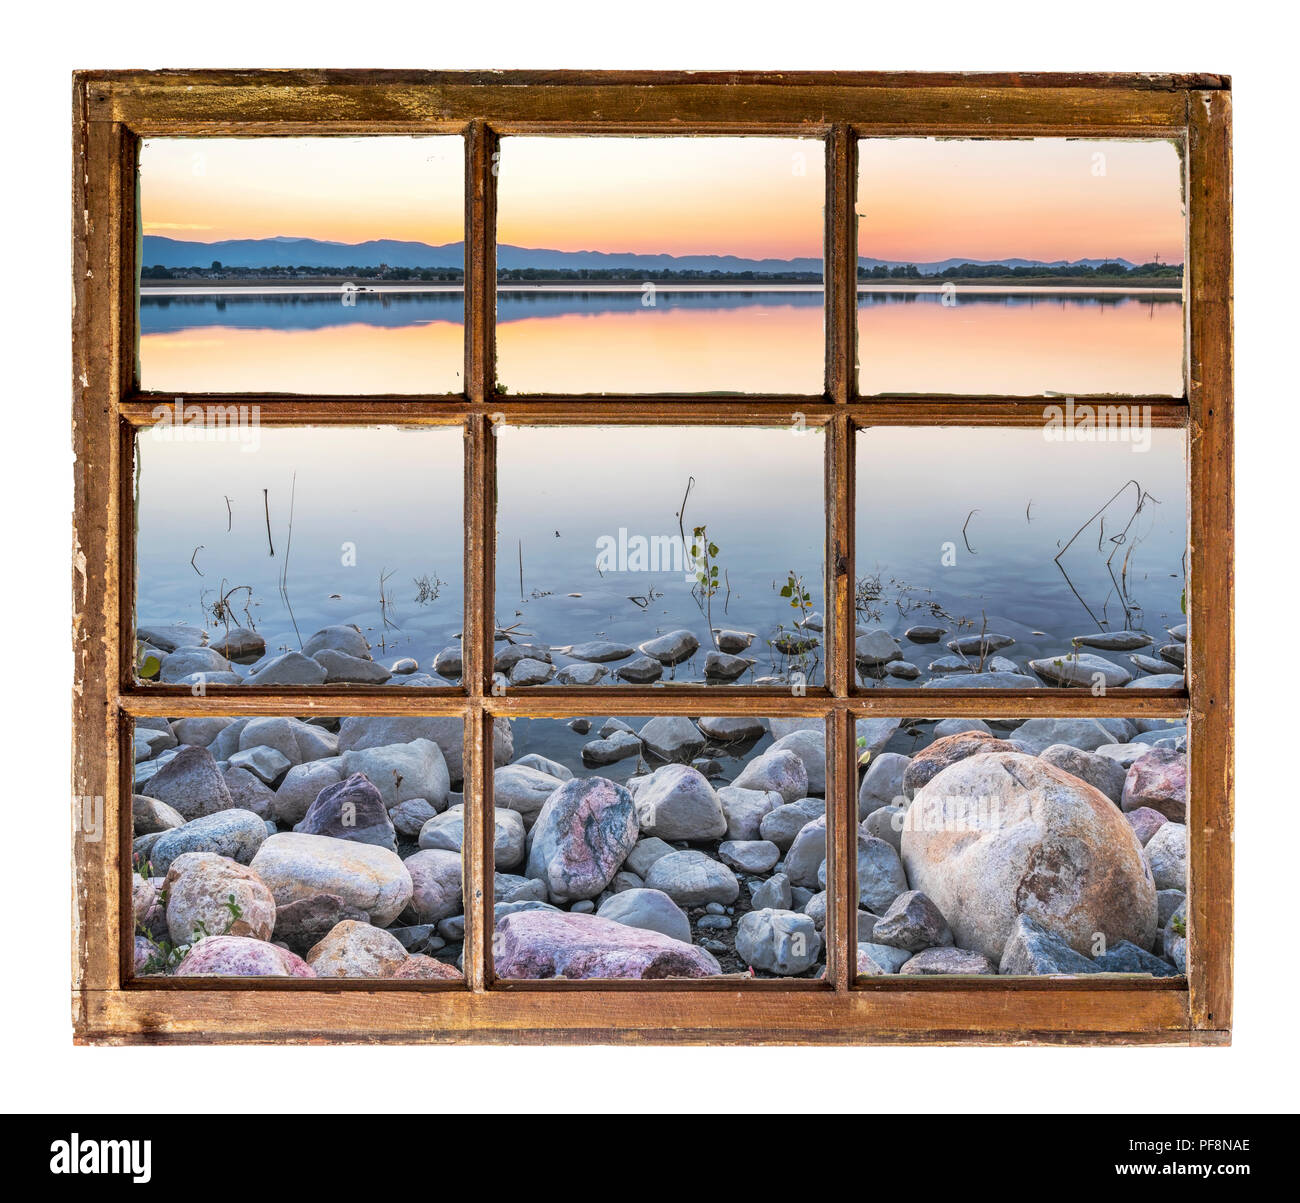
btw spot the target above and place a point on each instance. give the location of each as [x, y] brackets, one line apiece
[933, 657]
[657, 847]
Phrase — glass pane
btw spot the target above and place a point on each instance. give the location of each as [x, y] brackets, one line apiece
[298, 556]
[1026, 267]
[1019, 557]
[641, 265]
[309, 265]
[1027, 846]
[661, 847]
[640, 555]
[278, 847]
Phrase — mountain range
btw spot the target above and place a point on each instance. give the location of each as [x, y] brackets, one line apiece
[159, 251]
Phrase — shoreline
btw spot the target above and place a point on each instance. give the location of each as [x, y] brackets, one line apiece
[969, 287]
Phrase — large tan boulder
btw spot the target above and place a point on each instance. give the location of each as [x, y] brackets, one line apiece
[1001, 834]
[353, 949]
[295, 865]
[211, 895]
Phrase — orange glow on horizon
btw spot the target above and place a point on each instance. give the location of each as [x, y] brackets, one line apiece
[922, 199]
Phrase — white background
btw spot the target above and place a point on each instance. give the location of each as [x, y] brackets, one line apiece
[42, 1069]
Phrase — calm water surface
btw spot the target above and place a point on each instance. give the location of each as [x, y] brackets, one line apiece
[569, 340]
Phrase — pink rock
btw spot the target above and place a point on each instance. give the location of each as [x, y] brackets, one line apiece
[541, 944]
[1158, 780]
[417, 965]
[1146, 822]
[241, 956]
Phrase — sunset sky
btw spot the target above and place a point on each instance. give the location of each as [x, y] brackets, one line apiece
[919, 199]
[924, 199]
[756, 197]
[336, 189]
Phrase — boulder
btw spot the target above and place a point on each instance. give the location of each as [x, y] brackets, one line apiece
[289, 668]
[678, 803]
[199, 731]
[236, 834]
[415, 769]
[931, 962]
[644, 853]
[190, 783]
[343, 669]
[1129, 958]
[1100, 772]
[1158, 780]
[882, 784]
[409, 817]
[549, 944]
[355, 949]
[169, 638]
[351, 810]
[581, 838]
[1001, 833]
[1114, 641]
[599, 651]
[651, 910]
[524, 789]
[887, 824]
[447, 831]
[774, 893]
[241, 956]
[303, 924]
[779, 770]
[912, 922]
[718, 666]
[186, 661]
[1081, 669]
[266, 764]
[149, 816]
[200, 887]
[807, 853]
[876, 647]
[745, 810]
[358, 734]
[930, 762]
[1166, 854]
[1146, 822]
[296, 865]
[1087, 734]
[1032, 948]
[672, 648]
[810, 747]
[672, 738]
[619, 745]
[880, 873]
[346, 638]
[436, 885]
[781, 942]
[248, 792]
[693, 879]
[641, 671]
[782, 824]
[301, 786]
[749, 856]
[880, 960]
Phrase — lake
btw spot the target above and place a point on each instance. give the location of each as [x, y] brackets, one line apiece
[625, 338]
[956, 527]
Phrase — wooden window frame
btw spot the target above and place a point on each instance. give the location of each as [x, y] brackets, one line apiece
[113, 111]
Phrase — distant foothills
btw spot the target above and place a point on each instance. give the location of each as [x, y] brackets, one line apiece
[388, 259]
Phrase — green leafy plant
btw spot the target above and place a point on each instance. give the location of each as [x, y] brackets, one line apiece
[704, 555]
